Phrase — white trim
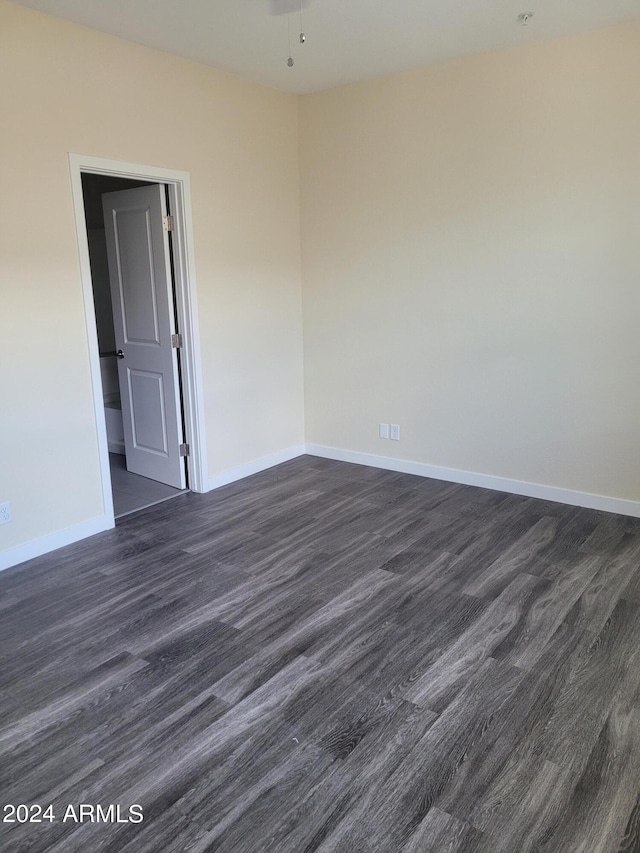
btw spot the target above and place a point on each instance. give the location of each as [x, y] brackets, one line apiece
[116, 447]
[180, 198]
[38, 547]
[92, 336]
[255, 467]
[187, 310]
[484, 481]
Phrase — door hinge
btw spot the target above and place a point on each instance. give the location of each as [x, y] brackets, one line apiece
[167, 222]
[184, 449]
[176, 341]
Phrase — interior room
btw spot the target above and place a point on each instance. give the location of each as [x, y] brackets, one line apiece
[320, 498]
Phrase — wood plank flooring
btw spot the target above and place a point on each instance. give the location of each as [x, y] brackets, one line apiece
[328, 657]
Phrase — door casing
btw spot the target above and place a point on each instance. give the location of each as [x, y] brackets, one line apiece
[178, 185]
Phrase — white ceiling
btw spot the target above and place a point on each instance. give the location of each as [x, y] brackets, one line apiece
[347, 40]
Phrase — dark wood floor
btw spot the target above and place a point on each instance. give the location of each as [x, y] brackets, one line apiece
[327, 657]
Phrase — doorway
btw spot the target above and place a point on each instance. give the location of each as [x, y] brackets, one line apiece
[132, 220]
[127, 287]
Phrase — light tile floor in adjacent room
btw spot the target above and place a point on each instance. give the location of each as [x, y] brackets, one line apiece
[132, 492]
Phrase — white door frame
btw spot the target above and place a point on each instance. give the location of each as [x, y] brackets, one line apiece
[178, 184]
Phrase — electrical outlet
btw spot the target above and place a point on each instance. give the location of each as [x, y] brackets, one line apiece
[395, 432]
[383, 431]
[5, 513]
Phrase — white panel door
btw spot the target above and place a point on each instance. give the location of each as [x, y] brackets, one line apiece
[144, 320]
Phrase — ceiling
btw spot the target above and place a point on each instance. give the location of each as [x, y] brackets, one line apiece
[347, 40]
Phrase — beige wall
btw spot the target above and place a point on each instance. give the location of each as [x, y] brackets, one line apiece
[470, 247]
[471, 263]
[65, 88]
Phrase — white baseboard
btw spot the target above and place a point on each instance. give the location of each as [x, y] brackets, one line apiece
[484, 481]
[254, 467]
[46, 544]
[116, 447]
[38, 547]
